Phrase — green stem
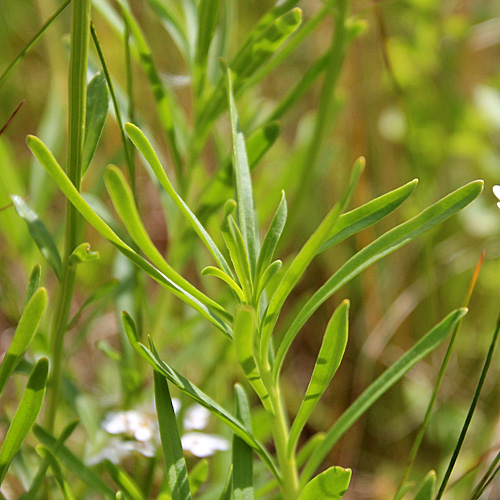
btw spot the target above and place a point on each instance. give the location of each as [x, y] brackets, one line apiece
[76, 133]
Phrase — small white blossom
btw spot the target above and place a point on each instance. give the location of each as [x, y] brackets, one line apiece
[132, 423]
[203, 445]
[196, 418]
[496, 192]
[116, 450]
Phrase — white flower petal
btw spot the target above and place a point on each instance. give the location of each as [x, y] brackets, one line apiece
[496, 191]
[196, 418]
[115, 423]
[203, 445]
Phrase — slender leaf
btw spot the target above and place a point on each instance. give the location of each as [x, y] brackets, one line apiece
[272, 237]
[175, 463]
[144, 146]
[426, 491]
[226, 493]
[383, 383]
[33, 284]
[267, 276]
[25, 416]
[127, 485]
[25, 331]
[242, 452]
[95, 116]
[71, 462]
[382, 246]
[304, 258]
[198, 475]
[331, 484]
[329, 358]
[53, 168]
[40, 235]
[215, 271]
[47, 455]
[151, 356]
[244, 194]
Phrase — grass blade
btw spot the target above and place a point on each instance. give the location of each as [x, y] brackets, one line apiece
[95, 116]
[244, 194]
[304, 258]
[71, 462]
[48, 456]
[144, 146]
[383, 383]
[382, 246]
[48, 161]
[40, 235]
[329, 485]
[25, 331]
[175, 463]
[329, 358]
[242, 453]
[25, 416]
[151, 356]
[426, 491]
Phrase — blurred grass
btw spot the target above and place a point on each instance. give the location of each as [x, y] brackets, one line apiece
[418, 96]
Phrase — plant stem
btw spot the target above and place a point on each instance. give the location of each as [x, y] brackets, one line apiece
[77, 103]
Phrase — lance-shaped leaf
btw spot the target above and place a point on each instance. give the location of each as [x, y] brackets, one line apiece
[124, 203]
[331, 484]
[382, 246]
[244, 329]
[71, 462]
[95, 116]
[215, 271]
[48, 456]
[329, 358]
[426, 491]
[368, 214]
[394, 373]
[175, 463]
[48, 161]
[304, 258]
[151, 356]
[25, 331]
[272, 237]
[25, 416]
[144, 146]
[33, 284]
[126, 483]
[244, 193]
[266, 278]
[40, 235]
[242, 452]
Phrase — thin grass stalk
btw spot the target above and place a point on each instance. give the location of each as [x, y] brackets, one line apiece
[77, 103]
[470, 413]
[437, 385]
[487, 478]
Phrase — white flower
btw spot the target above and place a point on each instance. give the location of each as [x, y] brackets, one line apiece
[196, 418]
[116, 450]
[132, 423]
[496, 192]
[203, 445]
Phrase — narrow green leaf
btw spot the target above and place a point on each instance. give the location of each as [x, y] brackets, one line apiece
[244, 330]
[95, 116]
[426, 491]
[272, 237]
[151, 356]
[242, 452]
[331, 484]
[144, 146]
[267, 276]
[48, 161]
[33, 284]
[71, 462]
[304, 258]
[382, 246]
[226, 493]
[101, 291]
[127, 485]
[244, 194]
[82, 254]
[25, 331]
[368, 214]
[47, 455]
[404, 490]
[124, 203]
[329, 358]
[40, 235]
[25, 416]
[215, 271]
[198, 475]
[383, 383]
[175, 463]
